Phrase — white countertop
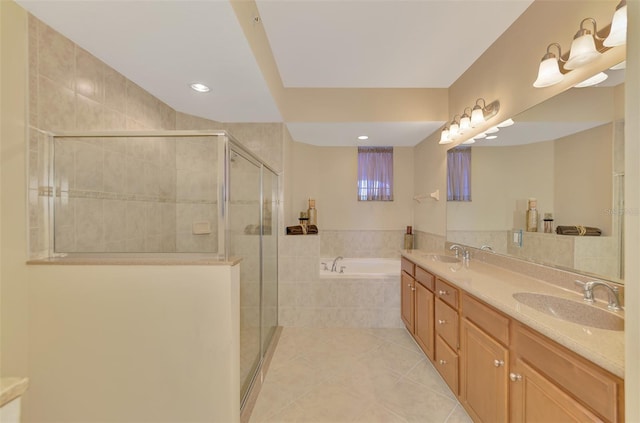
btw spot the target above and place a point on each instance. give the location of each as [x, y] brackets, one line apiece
[495, 286]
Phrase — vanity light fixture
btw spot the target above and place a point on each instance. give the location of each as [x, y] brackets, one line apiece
[618, 34]
[444, 136]
[549, 70]
[480, 136]
[583, 47]
[492, 137]
[594, 80]
[492, 130]
[465, 121]
[480, 115]
[363, 137]
[454, 128]
[201, 88]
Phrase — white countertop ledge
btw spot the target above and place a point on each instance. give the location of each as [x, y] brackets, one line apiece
[495, 286]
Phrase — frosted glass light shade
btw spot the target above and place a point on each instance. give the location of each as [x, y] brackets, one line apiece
[618, 34]
[594, 80]
[477, 116]
[583, 51]
[465, 123]
[621, 65]
[480, 136]
[492, 130]
[454, 130]
[444, 137]
[469, 141]
[548, 73]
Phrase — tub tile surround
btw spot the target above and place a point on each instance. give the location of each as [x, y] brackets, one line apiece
[306, 300]
[358, 244]
[493, 279]
[120, 195]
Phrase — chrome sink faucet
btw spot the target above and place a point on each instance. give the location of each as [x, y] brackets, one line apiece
[466, 254]
[335, 262]
[614, 297]
[456, 249]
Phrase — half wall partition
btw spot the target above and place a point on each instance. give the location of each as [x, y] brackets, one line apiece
[135, 194]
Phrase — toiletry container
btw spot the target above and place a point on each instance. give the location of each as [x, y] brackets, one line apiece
[532, 216]
[548, 223]
[312, 212]
[408, 239]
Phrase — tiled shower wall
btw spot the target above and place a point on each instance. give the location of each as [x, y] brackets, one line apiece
[71, 90]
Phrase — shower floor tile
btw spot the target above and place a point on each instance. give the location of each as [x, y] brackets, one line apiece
[340, 375]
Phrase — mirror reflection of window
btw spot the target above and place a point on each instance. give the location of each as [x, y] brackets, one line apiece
[459, 174]
[375, 173]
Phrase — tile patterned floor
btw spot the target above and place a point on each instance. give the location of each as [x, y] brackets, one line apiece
[338, 375]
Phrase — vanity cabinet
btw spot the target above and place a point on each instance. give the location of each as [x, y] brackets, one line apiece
[417, 306]
[551, 383]
[484, 361]
[407, 289]
[500, 369]
[447, 333]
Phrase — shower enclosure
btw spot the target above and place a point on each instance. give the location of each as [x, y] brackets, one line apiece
[178, 192]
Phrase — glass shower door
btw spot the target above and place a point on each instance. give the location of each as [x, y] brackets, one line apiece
[269, 256]
[244, 217]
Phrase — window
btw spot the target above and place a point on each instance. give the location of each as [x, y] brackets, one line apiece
[459, 174]
[375, 173]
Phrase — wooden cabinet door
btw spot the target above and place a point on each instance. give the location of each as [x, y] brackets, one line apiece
[423, 322]
[535, 398]
[407, 287]
[483, 375]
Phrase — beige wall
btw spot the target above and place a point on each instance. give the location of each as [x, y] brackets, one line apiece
[329, 175]
[502, 180]
[430, 174]
[13, 218]
[583, 179]
[134, 343]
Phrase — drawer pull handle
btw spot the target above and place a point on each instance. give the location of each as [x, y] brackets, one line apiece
[498, 363]
[442, 322]
[413, 288]
[442, 362]
[442, 292]
[515, 377]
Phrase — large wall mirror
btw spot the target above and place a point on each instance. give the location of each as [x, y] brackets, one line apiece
[568, 154]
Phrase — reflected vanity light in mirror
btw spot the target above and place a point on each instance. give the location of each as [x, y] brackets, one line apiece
[480, 136]
[469, 141]
[505, 123]
[492, 137]
[492, 130]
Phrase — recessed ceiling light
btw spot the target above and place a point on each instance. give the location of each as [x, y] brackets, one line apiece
[492, 137]
[201, 88]
[363, 137]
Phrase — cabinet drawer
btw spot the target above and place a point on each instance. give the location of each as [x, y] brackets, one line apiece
[408, 266]
[425, 278]
[483, 316]
[447, 364]
[447, 293]
[446, 323]
[593, 386]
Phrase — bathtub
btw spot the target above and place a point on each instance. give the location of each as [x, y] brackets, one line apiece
[369, 268]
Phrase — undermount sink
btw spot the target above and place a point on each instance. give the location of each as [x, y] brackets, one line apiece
[442, 258]
[571, 311]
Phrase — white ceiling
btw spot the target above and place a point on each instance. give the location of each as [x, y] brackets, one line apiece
[163, 46]
[382, 44]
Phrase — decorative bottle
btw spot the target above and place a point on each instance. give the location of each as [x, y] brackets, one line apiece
[312, 212]
[408, 239]
[532, 216]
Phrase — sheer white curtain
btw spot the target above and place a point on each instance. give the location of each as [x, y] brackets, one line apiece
[459, 174]
[375, 173]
